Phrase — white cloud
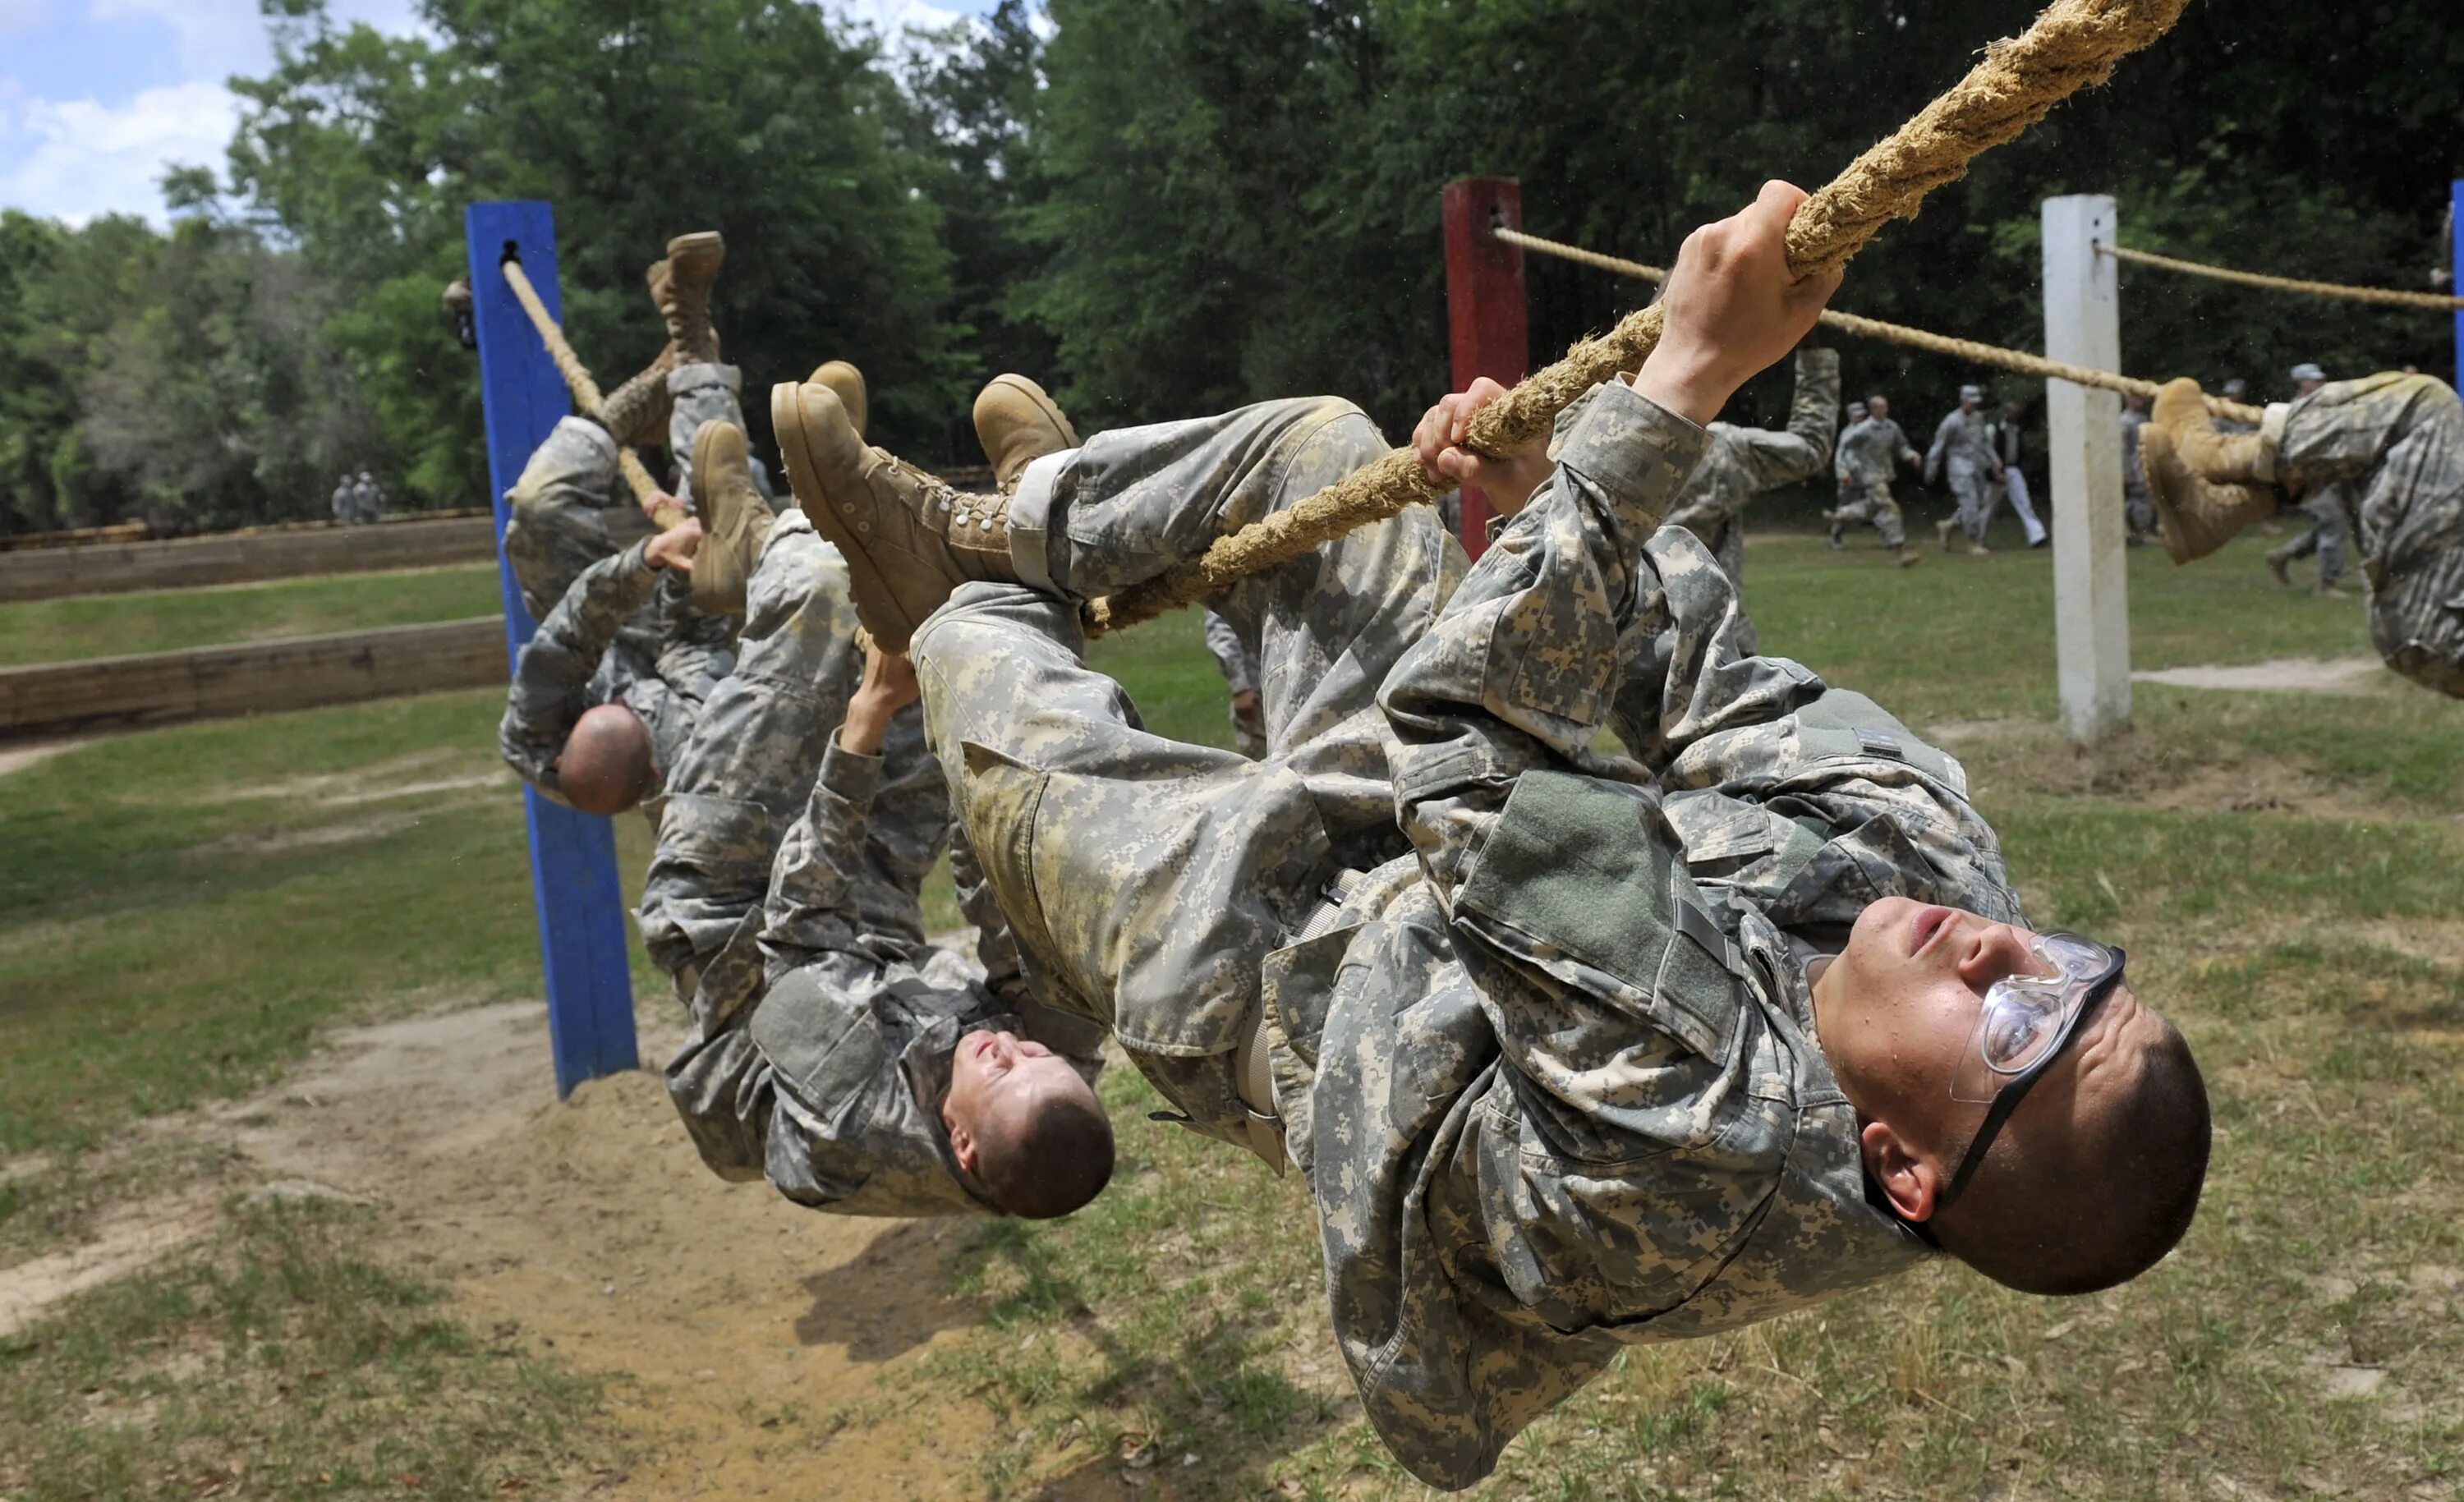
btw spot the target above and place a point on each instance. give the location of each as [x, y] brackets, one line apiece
[77, 158]
[216, 37]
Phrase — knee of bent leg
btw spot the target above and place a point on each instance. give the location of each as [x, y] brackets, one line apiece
[1336, 437]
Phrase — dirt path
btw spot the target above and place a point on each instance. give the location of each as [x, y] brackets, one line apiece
[759, 1350]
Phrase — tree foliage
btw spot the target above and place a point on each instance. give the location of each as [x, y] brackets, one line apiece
[1158, 207]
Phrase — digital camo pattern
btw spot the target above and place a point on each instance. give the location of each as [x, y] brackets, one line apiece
[752, 758]
[1537, 1119]
[2397, 443]
[2012, 484]
[827, 1077]
[618, 631]
[1146, 880]
[1870, 453]
[1239, 664]
[1566, 1096]
[2138, 506]
[563, 517]
[1741, 463]
[1963, 455]
[705, 394]
[2324, 538]
[1871, 450]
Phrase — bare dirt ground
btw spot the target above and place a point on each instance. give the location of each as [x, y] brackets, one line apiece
[744, 1333]
[2337, 675]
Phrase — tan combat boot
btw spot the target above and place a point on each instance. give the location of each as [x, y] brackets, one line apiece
[847, 383]
[908, 539]
[734, 519]
[2195, 515]
[1018, 424]
[1909, 557]
[680, 284]
[2220, 458]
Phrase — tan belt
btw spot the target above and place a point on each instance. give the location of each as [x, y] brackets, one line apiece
[1252, 1062]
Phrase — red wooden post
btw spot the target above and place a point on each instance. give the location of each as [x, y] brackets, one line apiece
[1486, 317]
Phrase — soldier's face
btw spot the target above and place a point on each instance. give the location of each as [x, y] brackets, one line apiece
[996, 1078]
[1878, 408]
[1896, 1012]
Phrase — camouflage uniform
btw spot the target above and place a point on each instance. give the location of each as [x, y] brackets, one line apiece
[1963, 454]
[1869, 452]
[1239, 664]
[704, 393]
[616, 631]
[1741, 463]
[2137, 507]
[564, 515]
[2393, 448]
[1548, 1063]
[2326, 506]
[754, 754]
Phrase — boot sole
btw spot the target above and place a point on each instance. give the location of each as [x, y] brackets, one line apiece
[722, 526]
[876, 605]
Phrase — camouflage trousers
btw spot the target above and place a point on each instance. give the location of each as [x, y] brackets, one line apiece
[750, 764]
[704, 393]
[2324, 540]
[2137, 507]
[1872, 503]
[565, 515]
[1147, 872]
[1971, 492]
[2399, 442]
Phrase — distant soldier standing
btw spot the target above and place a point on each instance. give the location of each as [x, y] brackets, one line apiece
[2326, 504]
[1869, 453]
[1238, 666]
[1963, 453]
[2138, 510]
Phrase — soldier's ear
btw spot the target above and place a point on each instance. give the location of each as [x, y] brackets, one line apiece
[962, 1146]
[1909, 1180]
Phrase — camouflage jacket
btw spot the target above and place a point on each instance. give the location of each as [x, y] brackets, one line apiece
[1740, 463]
[1554, 1079]
[1871, 450]
[1961, 442]
[617, 637]
[1232, 655]
[828, 1078]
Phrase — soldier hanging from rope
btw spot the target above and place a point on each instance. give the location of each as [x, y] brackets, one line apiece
[1569, 1056]
[2390, 446]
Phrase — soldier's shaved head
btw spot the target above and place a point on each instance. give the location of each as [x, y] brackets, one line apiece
[606, 765]
[1023, 1121]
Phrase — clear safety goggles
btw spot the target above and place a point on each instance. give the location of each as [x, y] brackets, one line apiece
[2025, 1023]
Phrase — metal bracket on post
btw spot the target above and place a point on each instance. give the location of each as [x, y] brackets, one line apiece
[2091, 578]
[1488, 316]
[573, 854]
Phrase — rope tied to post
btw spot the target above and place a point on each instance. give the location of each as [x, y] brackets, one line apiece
[2072, 44]
[585, 390]
[1971, 351]
[2384, 296]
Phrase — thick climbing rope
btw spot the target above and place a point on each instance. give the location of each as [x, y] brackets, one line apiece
[2385, 296]
[1969, 351]
[2072, 45]
[666, 512]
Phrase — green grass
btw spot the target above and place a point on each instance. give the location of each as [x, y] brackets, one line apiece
[280, 1360]
[190, 907]
[170, 620]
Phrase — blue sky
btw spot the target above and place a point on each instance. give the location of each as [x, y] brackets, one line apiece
[97, 96]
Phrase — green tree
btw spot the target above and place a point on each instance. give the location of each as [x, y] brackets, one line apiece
[636, 121]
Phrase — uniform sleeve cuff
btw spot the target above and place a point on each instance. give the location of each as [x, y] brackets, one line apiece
[585, 431]
[1632, 447]
[848, 775]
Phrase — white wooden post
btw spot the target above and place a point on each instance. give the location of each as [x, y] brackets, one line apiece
[2091, 599]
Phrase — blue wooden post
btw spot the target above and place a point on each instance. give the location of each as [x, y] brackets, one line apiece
[2455, 285]
[573, 855]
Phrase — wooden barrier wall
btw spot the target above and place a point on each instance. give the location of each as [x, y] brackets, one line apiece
[244, 557]
[213, 682]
